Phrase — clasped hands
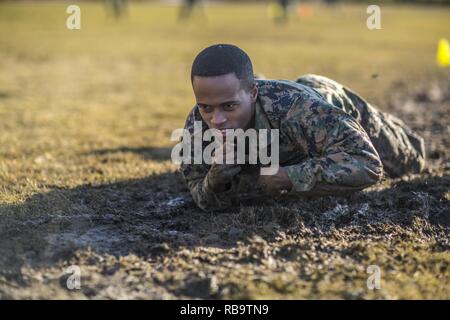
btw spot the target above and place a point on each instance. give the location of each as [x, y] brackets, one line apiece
[220, 175]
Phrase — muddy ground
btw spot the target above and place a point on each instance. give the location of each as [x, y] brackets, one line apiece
[146, 238]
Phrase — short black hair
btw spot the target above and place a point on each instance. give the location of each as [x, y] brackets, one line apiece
[221, 59]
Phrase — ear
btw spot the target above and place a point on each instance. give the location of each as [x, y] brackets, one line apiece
[254, 93]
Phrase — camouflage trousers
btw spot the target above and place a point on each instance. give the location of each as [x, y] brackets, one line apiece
[401, 150]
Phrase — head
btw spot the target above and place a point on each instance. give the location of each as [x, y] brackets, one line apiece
[224, 87]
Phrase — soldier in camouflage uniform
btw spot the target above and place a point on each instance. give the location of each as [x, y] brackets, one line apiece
[331, 141]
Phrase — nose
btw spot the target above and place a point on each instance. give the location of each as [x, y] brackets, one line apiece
[218, 119]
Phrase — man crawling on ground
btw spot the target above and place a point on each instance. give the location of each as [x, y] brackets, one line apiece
[331, 141]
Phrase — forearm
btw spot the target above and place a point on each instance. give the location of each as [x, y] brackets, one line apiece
[335, 174]
[341, 156]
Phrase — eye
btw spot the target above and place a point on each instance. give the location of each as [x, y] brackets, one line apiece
[204, 108]
[230, 106]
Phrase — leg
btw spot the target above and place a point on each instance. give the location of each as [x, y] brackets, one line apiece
[401, 150]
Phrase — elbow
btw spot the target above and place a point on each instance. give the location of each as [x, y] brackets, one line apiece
[371, 174]
[376, 170]
[370, 171]
[208, 203]
[201, 203]
[364, 176]
[374, 175]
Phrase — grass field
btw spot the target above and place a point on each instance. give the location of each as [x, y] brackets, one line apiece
[85, 176]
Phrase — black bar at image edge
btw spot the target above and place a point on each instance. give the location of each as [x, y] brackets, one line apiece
[224, 309]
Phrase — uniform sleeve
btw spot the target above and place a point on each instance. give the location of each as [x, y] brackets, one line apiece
[195, 176]
[341, 156]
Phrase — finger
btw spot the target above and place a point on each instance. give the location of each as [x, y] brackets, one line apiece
[231, 171]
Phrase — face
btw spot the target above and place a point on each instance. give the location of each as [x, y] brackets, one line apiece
[223, 104]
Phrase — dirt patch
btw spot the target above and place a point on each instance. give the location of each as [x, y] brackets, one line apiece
[146, 239]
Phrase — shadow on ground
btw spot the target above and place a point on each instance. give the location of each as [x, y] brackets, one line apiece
[155, 216]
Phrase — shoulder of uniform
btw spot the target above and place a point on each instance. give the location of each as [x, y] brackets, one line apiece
[194, 115]
[282, 99]
[282, 94]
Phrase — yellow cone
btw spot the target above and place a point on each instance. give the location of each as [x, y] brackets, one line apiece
[443, 53]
